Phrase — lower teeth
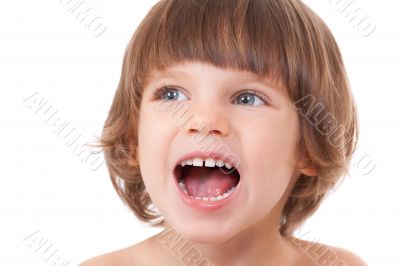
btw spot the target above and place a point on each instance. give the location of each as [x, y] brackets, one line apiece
[220, 197]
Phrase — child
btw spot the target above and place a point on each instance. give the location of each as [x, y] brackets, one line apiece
[231, 122]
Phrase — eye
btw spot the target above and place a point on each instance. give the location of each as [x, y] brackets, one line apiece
[251, 98]
[169, 93]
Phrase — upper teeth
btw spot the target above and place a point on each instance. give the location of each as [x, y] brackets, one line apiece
[208, 163]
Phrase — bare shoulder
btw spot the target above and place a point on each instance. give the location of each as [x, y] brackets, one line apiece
[323, 254]
[348, 257]
[101, 260]
[132, 256]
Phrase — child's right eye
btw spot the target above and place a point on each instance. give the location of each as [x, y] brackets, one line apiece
[166, 93]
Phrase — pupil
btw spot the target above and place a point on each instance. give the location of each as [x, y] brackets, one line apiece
[247, 99]
[170, 95]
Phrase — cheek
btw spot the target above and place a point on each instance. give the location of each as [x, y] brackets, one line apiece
[270, 152]
[153, 146]
[276, 147]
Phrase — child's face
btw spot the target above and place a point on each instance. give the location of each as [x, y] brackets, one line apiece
[263, 136]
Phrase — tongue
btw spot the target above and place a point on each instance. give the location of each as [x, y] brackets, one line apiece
[208, 182]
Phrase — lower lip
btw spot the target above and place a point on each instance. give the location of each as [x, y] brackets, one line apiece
[203, 204]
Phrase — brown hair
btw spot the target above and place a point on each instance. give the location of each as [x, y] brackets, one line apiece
[272, 38]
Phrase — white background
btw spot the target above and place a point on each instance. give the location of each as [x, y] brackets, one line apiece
[46, 189]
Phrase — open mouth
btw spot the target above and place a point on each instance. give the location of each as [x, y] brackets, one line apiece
[206, 180]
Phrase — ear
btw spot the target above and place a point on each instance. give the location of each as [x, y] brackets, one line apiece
[133, 162]
[304, 166]
[308, 171]
[133, 157]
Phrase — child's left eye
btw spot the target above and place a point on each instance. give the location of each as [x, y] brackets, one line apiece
[251, 98]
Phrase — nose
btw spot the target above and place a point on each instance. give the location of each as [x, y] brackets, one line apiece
[207, 119]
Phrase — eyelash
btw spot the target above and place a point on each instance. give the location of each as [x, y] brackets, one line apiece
[161, 90]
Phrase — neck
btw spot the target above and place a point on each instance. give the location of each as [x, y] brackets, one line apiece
[260, 244]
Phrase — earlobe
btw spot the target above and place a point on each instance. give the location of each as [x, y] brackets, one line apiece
[306, 168]
[308, 171]
[132, 162]
[133, 159]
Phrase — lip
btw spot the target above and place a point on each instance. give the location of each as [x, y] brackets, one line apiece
[202, 204]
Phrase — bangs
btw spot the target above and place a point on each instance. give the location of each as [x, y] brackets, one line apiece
[233, 34]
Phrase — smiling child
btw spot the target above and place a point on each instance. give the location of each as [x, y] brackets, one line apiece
[232, 121]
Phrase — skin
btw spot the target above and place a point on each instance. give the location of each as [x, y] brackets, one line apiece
[263, 134]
